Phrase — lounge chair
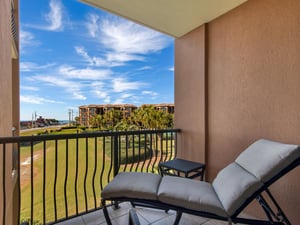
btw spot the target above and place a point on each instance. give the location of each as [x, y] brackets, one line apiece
[238, 184]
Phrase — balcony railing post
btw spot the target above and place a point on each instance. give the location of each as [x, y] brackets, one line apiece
[116, 161]
[116, 154]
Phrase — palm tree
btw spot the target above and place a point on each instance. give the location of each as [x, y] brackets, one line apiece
[97, 121]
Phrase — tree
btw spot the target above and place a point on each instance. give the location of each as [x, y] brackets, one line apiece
[98, 121]
[112, 117]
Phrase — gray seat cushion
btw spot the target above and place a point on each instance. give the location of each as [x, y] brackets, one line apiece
[234, 185]
[265, 158]
[190, 194]
[133, 185]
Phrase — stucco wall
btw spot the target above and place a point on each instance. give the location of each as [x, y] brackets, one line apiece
[9, 111]
[252, 87]
[190, 94]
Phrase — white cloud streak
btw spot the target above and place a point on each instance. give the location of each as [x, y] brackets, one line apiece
[124, 40]
[29, 88]
[31, 66]
[96, 61]
[87, 73]
[171, 68]
[71, 87]
[27, 39]
[125, 36]
[37, 100]
[55, 16]
[53, 19]
[120, 85]
[152, 94]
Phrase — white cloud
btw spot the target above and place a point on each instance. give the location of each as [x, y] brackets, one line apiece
[145, 68]
[27, 39]
[152, 94]
[124, 36]
[96, 61]
[36, 100]
[55, 16]
[123, 57]
[71, 87]
[30, 66]
[87, 73]
[171, 68]
[78, 96]
[29, 88]
[124, 40]
[92, 25]
[120, 85]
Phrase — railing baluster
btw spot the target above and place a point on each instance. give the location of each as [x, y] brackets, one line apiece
[54, 185]
[175, 144]
[111, 155]
[116, 154]
[66, 178]
[76, 177]
[44, 182]
[31, 180]
[86, 171]
[103, 163]
[155, 151]
[171, 143]
[150, 149]
[139, 153]
[94, 174]
[126, 152]
[4, 184]
[132, 156]
[19, 180]
[167, 145]
[144, 161]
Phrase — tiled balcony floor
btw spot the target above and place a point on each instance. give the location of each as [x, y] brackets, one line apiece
[146, 216]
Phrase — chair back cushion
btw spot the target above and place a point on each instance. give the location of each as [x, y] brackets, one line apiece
[260, 162]
[265, 159]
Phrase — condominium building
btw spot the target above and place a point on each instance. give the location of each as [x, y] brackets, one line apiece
[166, 107]
[86, 112]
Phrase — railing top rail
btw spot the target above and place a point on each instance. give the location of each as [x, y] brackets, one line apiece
[17, 139]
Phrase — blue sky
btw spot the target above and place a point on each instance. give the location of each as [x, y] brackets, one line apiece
[73, 54]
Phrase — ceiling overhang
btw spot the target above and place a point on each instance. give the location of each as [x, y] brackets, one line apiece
[172, 17]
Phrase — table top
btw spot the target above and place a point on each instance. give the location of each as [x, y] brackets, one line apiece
[182, 165]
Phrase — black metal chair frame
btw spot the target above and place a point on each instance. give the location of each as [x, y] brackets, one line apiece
[274, 214]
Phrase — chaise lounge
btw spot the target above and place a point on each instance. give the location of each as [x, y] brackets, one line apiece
[238, 184]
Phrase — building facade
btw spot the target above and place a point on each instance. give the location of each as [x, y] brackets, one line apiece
[86, 112]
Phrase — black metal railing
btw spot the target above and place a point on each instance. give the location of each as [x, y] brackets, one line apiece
[61, 176]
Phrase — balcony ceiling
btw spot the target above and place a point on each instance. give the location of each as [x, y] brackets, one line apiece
[172, 17]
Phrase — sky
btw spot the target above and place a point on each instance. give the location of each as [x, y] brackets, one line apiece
[73, 54]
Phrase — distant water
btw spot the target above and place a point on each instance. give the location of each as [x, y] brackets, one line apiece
[63, 121]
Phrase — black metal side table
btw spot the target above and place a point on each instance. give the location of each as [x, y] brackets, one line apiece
[177, 166]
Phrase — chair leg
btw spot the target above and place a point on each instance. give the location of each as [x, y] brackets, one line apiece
[178, 217]
[108, 221]
[133, 218]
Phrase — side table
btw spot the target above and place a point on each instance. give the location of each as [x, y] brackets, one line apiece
[190, 169]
